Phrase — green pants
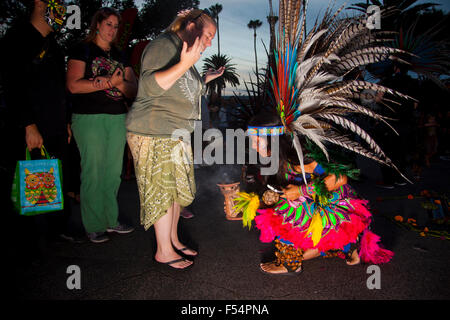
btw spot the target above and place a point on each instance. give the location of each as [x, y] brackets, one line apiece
[101, 140]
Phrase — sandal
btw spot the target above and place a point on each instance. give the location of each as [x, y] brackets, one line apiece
[185, 213]
[290, 271]
[348, 256]
[181, 250]
[289, 257]
[74, 196]
[186, 254]
[176, 261]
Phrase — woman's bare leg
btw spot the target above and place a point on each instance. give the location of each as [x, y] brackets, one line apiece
[165, 251]
[174, 232]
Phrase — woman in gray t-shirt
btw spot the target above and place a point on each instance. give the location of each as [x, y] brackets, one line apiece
[168, 101]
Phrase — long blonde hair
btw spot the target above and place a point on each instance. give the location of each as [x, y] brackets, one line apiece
[102, 14]
[199, 17]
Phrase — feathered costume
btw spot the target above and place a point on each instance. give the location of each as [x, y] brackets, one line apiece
[313, 101]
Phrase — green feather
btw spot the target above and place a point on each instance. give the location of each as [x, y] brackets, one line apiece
[338, 168]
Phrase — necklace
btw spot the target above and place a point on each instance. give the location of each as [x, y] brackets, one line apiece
[107, 51]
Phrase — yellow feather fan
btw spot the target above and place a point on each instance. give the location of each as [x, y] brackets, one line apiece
[247, 203]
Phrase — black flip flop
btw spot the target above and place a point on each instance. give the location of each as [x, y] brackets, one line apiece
[186, 248]
[175, 261]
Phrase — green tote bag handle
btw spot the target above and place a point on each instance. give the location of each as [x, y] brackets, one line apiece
[44, 153]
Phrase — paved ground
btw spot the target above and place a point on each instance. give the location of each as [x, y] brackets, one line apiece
[227, 266]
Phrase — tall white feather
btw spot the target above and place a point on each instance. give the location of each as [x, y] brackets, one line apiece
[299, 150]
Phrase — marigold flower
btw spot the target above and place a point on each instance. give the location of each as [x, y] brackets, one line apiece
[437, 201]
[422, 234]
[411, 220]
[398, 218]
[426, 229]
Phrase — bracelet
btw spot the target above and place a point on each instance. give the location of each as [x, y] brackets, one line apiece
[306, 190]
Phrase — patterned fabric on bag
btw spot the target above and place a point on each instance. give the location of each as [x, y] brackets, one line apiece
[37, 186]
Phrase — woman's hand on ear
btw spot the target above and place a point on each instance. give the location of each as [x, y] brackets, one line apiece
[190, 55]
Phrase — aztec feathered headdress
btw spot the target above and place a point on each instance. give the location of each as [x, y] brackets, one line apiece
[311, 97]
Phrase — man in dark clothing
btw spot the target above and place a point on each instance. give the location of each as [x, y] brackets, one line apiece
[33, 80]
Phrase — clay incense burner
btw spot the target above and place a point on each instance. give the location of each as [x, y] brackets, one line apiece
[229, 192]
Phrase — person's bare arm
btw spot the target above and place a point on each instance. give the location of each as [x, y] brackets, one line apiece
[293, 192]
[332, 183]
[212, 74]
[33, 137]
[189, 56]
[127, 83]
[76, 83]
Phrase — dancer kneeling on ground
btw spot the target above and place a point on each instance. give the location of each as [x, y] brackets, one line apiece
[315, 211]
[321, 216]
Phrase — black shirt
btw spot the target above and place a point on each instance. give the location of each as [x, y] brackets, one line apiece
[33, 76]
[98, 63]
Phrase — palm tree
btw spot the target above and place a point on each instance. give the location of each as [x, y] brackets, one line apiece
[214, 11]
[272, 20]
[255, 24]
[229, 76]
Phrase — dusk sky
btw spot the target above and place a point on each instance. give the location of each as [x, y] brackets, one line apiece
[236, 39]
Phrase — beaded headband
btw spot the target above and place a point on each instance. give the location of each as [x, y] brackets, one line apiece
[266, 131]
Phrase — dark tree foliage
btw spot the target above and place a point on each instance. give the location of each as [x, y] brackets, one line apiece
[153, 17]
[11, 10]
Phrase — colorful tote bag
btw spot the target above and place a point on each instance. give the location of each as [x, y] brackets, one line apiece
[37, 185]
